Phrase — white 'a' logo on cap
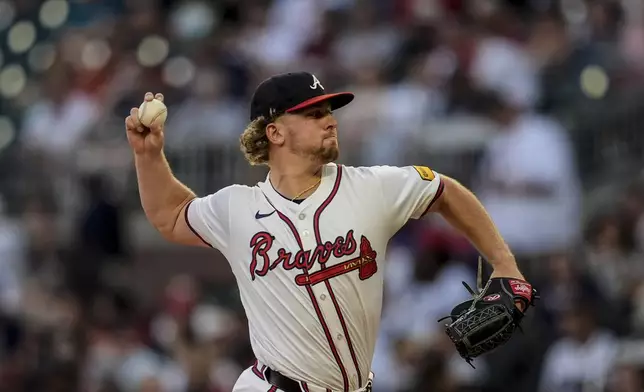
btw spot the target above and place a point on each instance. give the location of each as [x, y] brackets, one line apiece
[316, 83]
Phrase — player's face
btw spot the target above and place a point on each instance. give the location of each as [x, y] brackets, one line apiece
[313, 133]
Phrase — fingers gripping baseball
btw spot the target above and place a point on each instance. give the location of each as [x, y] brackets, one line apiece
[146, 139]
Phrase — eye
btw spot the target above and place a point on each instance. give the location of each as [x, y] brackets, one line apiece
[319, 113]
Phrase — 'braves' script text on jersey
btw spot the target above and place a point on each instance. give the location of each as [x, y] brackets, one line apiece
[310, 274]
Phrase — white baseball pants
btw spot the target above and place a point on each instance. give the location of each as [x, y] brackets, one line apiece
[253, 380]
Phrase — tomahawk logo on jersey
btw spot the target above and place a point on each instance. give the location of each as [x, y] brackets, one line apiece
[309, 274]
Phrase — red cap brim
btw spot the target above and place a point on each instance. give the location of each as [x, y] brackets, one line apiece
[337, 100]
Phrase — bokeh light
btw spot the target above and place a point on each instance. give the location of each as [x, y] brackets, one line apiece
[193, 20]
[152, 51]
[54, 13]
[7, 132]
[12, 81]
[95, 54]
[178, 71]
[22, 37]
[7, 13]
[41, 57]
[594, 82]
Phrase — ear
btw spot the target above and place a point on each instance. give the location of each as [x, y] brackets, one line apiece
[275, 133]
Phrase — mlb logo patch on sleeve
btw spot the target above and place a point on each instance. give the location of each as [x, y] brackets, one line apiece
[425, 172]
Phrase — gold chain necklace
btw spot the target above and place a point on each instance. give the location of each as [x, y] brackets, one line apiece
[307, 189]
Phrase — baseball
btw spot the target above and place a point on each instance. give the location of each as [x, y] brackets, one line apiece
[149, 111]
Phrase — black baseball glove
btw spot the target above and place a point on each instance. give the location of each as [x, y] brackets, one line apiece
[488, 321]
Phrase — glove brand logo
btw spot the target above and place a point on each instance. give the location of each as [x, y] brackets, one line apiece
[492, 297]
[521, 288]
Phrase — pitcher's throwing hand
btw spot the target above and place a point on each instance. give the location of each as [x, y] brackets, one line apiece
[144, 140]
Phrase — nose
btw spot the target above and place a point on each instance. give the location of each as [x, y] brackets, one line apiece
[331, 122]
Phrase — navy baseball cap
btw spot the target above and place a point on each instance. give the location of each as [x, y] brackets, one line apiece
[286, 93]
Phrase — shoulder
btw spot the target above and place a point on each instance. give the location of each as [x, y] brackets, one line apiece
[233, 193]
[372, 171]
[358, 171]
[237, 190]
[389, 172]
[365, 174]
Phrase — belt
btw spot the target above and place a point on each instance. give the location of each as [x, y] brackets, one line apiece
[289, 385]
[282, 382]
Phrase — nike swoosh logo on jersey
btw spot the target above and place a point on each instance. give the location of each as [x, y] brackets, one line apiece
[260, 216]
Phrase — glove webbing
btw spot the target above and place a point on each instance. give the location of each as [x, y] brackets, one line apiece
[476, 295]
[479, 283]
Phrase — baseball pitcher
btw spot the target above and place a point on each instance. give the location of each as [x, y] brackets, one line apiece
[307, 244]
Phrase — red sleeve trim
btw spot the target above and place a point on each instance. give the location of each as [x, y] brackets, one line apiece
[192, 228]
[438, 194]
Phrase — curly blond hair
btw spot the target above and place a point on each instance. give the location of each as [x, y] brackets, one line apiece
[254, 143]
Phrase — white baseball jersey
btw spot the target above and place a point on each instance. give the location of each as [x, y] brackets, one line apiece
[310, 274]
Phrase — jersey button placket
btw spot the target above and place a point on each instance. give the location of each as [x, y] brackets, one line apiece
[305, 227]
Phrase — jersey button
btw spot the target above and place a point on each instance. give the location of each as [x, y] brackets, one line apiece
[302, 216]
[323, 297]
[339, 336]
[305, 233]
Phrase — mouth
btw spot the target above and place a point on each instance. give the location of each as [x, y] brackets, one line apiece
[332, 139]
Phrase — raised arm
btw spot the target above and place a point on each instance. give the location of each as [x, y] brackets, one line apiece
[163, 197]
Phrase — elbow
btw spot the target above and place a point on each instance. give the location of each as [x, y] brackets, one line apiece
[164, 223]
[167, 233]
[165, 229]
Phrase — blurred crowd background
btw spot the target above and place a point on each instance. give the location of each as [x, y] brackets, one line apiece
[537, 105]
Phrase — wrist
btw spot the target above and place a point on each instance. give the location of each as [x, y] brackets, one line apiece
[148, 156]
[507, 271]
[505, 265]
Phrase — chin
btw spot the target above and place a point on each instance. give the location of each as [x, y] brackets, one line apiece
[330, 155]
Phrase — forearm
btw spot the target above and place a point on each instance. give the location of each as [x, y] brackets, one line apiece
[162, 195]
[464, 212]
